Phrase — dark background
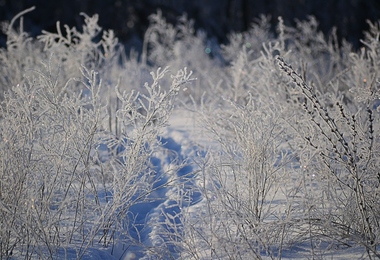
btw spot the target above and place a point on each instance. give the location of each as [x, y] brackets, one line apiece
[129, 18]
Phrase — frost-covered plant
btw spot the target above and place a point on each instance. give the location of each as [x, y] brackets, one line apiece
[82, 47]
[142, 117]
[180, 45]
[257, 35]
[324, 205]
[20, 53]
[244, 176]
[289, 164]
[59, 193]
[71, 49]
[163, 42]
[256, 76]
[343, 148]
[69, 177]
[48, 193]
[319, 55]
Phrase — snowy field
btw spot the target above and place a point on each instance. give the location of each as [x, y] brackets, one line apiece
[264, 148]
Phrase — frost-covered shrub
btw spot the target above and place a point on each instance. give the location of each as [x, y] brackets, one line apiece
[327, 117]
[288, 166]
[243, 188]
[71, 49]
[179, 46]
[342, 146]
[47, 175]
[58, 189]
[252, 40]
[19, 54]
[59, 192]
